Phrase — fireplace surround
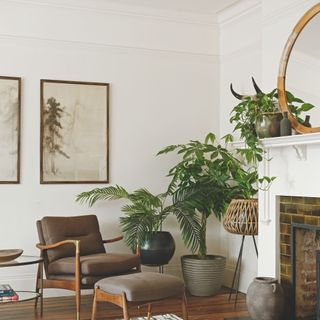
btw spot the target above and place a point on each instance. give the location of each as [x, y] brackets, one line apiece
[294, 161]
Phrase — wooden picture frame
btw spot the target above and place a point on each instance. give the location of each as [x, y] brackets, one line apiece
[10, 118]
[74, 137]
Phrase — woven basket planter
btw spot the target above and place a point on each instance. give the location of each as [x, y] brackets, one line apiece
[203, 277]
[241, 217]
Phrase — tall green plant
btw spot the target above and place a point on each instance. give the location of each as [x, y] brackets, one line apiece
[203, 183]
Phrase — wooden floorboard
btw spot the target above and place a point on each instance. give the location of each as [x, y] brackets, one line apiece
[63, 308]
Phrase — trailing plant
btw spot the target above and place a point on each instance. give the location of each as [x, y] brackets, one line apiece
[245, 115]
[143, 214]
[297, 106]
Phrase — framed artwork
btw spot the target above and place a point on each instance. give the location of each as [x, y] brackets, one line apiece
[10, 109]
[74, 132]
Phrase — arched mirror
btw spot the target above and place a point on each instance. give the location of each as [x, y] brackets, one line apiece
[299, 72]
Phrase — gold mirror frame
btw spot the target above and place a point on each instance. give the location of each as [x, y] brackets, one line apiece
[300, 128]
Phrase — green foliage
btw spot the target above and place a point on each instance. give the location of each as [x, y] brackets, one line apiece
[203, 183]
[297, 106]
[143, 214]
[245, 114]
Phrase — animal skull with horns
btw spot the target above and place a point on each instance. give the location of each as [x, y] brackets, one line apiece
[240, 96]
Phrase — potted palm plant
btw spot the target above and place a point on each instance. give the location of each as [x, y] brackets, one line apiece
[141, 223]
[202, 184]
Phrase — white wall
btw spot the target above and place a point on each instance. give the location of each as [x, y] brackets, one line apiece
[240, 60]
[166, 86]
[253, 35]
[164, 78]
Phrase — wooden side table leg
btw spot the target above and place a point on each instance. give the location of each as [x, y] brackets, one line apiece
[39, 288]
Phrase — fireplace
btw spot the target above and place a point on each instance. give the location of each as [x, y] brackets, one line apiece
[299, 242]
[306, 242]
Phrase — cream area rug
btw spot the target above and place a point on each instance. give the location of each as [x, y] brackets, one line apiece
[162, 317]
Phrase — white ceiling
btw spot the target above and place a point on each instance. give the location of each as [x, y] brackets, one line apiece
[188, 6]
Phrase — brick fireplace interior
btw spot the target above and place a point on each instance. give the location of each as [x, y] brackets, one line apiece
[304, 211]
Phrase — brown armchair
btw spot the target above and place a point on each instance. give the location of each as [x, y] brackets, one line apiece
[75, 257]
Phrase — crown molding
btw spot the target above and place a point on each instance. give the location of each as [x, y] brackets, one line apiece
[296, 6]
[34, 41]
[108, 8]
[236, 11]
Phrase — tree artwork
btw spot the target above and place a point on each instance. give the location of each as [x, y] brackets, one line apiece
[53, 139]
[74, 132]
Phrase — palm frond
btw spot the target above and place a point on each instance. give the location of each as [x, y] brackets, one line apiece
[146, 197]
[107, 193]
[190, 227]
[136, 228]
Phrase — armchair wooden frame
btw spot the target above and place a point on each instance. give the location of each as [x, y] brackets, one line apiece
[74, 285]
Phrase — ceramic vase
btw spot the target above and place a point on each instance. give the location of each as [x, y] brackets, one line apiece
[268, 125]
[265, 299]
[306, 122]
[285, 125]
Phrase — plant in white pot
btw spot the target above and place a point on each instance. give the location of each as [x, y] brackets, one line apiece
[202, 184]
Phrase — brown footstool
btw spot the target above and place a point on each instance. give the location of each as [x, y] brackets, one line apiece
[138, 289]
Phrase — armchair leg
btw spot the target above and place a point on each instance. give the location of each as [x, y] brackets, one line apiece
[78, 279]
[78, 302]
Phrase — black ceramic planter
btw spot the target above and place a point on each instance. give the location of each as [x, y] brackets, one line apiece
[158, 249]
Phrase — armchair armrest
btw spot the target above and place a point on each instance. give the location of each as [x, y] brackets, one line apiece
[77, 271]
[58, 244]
[113, 239]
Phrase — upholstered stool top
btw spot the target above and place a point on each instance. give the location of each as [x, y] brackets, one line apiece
[143, 286]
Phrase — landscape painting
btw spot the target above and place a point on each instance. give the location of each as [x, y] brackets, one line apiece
[10, 100]
[74, 132]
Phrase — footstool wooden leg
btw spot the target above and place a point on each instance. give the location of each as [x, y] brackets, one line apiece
[94, 306]
[149, 311]
[125, 308]
[184, 307]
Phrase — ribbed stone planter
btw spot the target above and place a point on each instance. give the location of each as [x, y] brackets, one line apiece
[203, 277]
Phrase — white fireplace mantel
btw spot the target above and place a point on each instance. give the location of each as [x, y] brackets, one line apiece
[297, 139]
[298, 142]
[294, 161]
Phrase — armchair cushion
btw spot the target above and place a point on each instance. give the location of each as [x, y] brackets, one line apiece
[84, 228]
[101, 264]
